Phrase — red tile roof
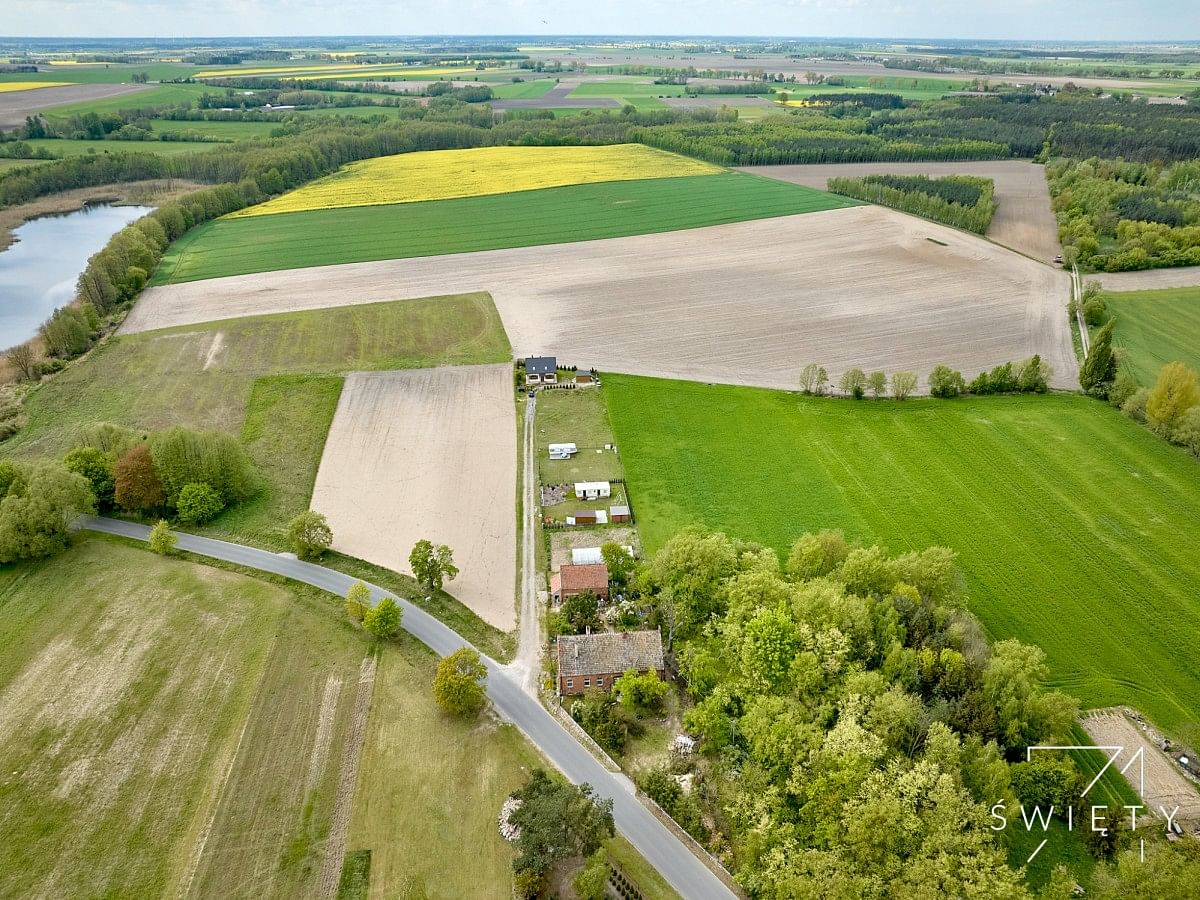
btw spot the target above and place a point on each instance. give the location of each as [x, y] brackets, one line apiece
[591, 577]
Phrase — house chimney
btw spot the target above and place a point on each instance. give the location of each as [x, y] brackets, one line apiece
[577, 651]
[587, 629]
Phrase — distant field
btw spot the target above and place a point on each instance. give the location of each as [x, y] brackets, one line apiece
[223, 131]
[627, 89]
[155, 95]
[71, 147]
[1157, 327]
[103, 73]
[1076, 528]
[529, 218]
[524, 90]
[151, 724]
[483, 171]
[12, 87]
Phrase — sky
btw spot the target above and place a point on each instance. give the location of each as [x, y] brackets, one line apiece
[1123, 20]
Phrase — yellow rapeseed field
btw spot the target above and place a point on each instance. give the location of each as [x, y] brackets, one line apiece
[444, 174]
[8, 87]
[328, 70]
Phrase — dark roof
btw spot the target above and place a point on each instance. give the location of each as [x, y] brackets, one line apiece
[541, 365]
[599, 654]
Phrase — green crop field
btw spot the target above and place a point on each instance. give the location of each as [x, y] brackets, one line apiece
[104, 73]
[156, 95]
[1157, 327]
[215, 131]
[524, 90]
[157, 718]
[628, 89]
[71, 147]
[522, 219]
[1076, 528]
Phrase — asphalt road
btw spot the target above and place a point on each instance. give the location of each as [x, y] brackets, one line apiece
[661, 848]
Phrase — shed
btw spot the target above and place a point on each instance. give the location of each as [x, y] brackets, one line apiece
[563, 451]
[594, 661]
[588, 517]
[592, 490]
[619, 514]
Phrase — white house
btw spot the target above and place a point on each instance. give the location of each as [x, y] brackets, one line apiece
[541, 370]
[592, 490]
[563, 451]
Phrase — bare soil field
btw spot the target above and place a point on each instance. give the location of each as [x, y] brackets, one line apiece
[16, 105]
[705, 101]
[1023, 222]
[1148, 280]
[428, 453]
[748, 303]
[1165, 786]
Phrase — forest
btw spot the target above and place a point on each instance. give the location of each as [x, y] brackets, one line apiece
[962, 201]
[857, 726]
[1116, 215]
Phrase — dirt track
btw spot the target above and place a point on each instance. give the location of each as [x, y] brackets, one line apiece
[428, 453]
[1023, 222]
[1149, 280]
[748, 303]
[17, 105]
[1165, 786]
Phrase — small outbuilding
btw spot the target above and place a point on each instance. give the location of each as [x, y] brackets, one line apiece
[592, 490]
[572, 580]
[541, 370]
[590, 556]
[619, 514]
[589, 662]
[588, 517]
[563, 451]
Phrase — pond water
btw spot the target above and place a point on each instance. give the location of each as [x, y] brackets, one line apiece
[38, 272]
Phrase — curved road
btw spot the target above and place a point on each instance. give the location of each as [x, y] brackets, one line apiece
[661, 848]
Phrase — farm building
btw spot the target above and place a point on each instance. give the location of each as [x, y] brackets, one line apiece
[588, 517]
[569, 581]
[591, 661]
[590, 556]
[592, 490]
[619, 514]
[541, 370]
[563, 451]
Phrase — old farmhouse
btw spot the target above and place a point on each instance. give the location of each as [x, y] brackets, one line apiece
[569, 581]
[593, 661]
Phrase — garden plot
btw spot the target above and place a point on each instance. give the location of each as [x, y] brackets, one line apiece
[428, 453]
[746, 303]
[1023, 222]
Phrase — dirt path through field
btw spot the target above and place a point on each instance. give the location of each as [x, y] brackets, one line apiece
[528, 662]
[428, 454]
[1165, 786]
[1023, 222]
[339, 826]
[748, 303]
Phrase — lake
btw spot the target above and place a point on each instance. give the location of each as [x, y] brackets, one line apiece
[38, 272]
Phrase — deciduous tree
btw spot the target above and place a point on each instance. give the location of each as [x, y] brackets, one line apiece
[432, 565]
[136, 483]
[1174, 393]
[383, 619]
[358, 601]
[458, 684]
[162, 540]
[309, 534]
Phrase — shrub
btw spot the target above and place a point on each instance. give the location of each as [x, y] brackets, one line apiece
[108, 438]
[592, 880]
[97, 467]
[1124, 387]
[582, 611]
[1174, 393]
[38, 507]
[458, 683]
[12, 478]
[183, 456]
[162, 539]
[1187, 432]
[1135, 406]
[198, 503]
[903, 384]
[854, 383]
[643, 693]
[1094, 310]
[358, 601]
[137, 487]
[309, 534]
[383, 619]
[944, 382]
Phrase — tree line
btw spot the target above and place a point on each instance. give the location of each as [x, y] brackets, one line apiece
[963, 201]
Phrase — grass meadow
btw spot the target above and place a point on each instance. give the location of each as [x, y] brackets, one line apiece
[1157, 327]
[1076, 528]
[72, 147]
[152, 722]
[522, 219]
[156, 95]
